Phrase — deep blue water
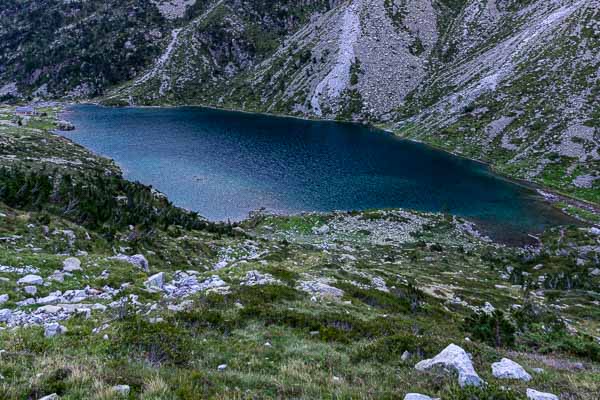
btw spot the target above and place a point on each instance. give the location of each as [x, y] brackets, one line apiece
[225, 164]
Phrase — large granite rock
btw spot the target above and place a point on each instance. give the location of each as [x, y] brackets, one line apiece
[454, 358]
[508, 369]
[72, 264]
[535, 395]
[31, 280]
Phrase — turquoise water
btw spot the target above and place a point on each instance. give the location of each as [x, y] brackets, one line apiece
[225, 164]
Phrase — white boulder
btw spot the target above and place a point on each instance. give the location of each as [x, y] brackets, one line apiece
[31, 280]
[122, 390]
[535, 395]
[31, 290]
[508, 369]
[456, 359]
[52, 396]
[72, 264]
[417, 396]
[3, 298]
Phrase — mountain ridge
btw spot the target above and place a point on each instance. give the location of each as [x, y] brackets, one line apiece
[512, 82]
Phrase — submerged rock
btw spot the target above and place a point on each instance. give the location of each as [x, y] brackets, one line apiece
[508, 369]
[454, 358]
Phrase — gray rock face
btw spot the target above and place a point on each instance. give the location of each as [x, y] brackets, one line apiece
[72, 264]
[456, 359]
[54, 329]
[31, 280]
[122, 390]
[508, 369]
[535, 395]
[156, 281]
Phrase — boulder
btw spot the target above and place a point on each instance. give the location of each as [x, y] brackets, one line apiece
[322, 230]
[54, 329]
[156, 281]
[222, 367]
[65, 125]
[5, 315]
[456, 359]
[31, 280]
[52, 396]
[122, 390]
[72, 264]
[417, 396]
[535, 395]
[50, 299]
[321, 289]
[488, 308]
[31, 290]
[57, 276]
[508, 369]
[3, 298]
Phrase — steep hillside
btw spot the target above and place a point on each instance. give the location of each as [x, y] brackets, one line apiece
[513, 82]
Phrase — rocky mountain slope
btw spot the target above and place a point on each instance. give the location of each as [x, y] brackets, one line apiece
[107, 291]
[512, 82]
